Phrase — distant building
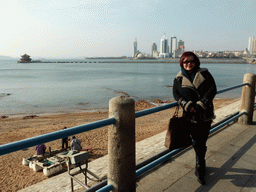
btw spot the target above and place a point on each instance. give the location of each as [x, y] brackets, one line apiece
[164, 48]
[180, 50]
[135, 49]
[155, 54]
[254, 47]
[139, 55]
[25, 59]
[180, 43]
[153, 49]
[173, 45]
[251, 45]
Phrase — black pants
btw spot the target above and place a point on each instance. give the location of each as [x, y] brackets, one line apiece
[200, 132]
[64, 142]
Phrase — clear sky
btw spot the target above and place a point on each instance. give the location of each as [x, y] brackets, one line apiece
[89, 28]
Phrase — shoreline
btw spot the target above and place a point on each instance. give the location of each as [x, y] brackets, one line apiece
[154, 103]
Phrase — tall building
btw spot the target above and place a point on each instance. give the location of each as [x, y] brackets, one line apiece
[173, 45]
[180, 50]
[251, 45]
[180, 43]
[254, 48]
[164, 49]
[153, 49]
[135, 47]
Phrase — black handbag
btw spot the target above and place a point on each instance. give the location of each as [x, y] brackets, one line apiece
[178, 132]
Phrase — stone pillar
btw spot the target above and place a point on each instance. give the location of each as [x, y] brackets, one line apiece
[121, 145]
[247, 99]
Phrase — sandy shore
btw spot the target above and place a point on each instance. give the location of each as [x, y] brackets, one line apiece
[14, 176]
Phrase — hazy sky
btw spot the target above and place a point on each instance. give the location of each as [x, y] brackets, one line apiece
[87, 28]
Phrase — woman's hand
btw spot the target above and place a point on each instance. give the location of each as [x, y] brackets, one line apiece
[192, 110]
[188, 106]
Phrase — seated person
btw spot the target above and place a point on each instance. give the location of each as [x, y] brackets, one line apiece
[40, 149]
[75, 144]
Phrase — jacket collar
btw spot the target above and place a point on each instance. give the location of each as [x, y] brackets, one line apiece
[198, 80]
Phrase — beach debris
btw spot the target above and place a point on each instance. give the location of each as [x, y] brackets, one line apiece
[168, 85]
[29, 117]
[4, 117]
[81, 103]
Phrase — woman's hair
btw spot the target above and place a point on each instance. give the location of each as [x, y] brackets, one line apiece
[189, 53]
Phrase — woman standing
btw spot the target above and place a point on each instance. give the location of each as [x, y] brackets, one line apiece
[194, 88]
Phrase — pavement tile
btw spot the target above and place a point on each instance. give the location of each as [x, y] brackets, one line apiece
[163, 176]
[250, 185]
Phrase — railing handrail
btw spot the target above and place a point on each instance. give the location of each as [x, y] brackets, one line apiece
[23, 144]
[30, 142]
[231, 88]
[174, 104]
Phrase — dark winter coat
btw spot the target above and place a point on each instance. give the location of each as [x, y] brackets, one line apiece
[200, 92]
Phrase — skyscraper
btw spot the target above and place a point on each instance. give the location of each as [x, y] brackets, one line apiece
[180, 50]
[180, 43]
[173, 45]
[251, 45]
[164, 49]
[135, 47]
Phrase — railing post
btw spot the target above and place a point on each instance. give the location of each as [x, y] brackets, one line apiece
[247, 100]
[121, 145]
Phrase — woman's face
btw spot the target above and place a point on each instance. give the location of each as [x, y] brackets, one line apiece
[189, 63]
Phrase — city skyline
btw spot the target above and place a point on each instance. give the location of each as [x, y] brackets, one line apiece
[64, 29]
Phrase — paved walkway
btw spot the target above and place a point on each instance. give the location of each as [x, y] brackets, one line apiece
[231, 164]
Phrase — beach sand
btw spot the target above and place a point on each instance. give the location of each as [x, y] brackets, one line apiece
[15, 176]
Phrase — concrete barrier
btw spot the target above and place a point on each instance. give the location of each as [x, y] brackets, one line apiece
[247, 99]
[121, 145]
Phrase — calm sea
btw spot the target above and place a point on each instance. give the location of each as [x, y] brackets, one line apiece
[38, 88]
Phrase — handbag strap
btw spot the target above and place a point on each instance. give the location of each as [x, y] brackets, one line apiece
[176, 111]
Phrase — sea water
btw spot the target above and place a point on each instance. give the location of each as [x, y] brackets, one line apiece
[38, 88]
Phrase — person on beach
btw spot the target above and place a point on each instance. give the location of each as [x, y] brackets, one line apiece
[65, 140]
[194, 88]
[75, 144]
[40, 149]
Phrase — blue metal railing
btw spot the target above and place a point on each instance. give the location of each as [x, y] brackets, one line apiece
[106, 188]
[231, 88]
[23, 144]
[174, 104]
[30, 142]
